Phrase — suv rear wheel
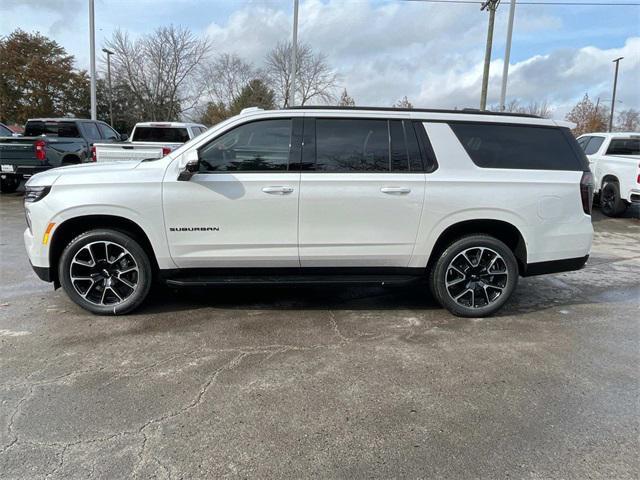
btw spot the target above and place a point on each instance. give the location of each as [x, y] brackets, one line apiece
[106, 272]
[474, 276]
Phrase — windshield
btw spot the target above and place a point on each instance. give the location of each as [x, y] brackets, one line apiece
[624, 146]
[160, 134]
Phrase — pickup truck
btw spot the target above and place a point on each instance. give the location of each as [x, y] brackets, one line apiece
[149, 140]
[49, 143]
[614, 160]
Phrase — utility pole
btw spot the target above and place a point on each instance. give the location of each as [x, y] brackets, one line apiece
[109, 53]
[490, 5]
[507, 56]
[294, 55]
[92, 48]
[615, 86]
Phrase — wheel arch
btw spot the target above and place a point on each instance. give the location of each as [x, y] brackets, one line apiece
[609, 178]
[500, 229]
[71, 228]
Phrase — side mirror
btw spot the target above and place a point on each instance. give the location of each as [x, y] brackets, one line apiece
[124, 137]
[188, 165]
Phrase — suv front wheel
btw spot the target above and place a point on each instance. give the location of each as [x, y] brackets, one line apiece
[106, 272]
[474, 276]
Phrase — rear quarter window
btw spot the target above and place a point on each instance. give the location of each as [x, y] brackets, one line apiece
[522, 147]
[624, 146]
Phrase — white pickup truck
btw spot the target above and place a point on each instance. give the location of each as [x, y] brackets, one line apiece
[614, 159]
[149, 140]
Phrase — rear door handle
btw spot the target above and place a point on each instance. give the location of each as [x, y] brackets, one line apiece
[277, 190]
[395, 190]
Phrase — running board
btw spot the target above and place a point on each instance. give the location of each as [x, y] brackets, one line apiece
[218, 280]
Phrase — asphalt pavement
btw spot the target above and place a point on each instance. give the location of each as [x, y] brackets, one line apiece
[325, 382]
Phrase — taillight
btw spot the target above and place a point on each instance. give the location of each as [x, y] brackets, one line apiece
[165, 151]
[586, 192]
[39, 147]
[94, 156]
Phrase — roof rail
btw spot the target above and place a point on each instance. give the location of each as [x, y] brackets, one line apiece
[471, 111]
[244, 111]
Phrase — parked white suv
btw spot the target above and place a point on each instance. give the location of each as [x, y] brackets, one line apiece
[469, 200]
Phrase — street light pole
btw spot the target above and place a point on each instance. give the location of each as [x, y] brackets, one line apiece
[491, 5]
[109, 53]
[294, 55]
[615, 86]
[507, 56]
[92, 48]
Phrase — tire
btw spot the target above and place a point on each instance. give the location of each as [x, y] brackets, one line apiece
[461, 272]
[610, 202]
[119, 279]
[9, 184]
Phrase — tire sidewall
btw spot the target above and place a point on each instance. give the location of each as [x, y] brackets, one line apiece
[438, 280]
[618, 204]
[145, 273]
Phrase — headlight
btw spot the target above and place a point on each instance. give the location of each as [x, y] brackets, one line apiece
[33, 194]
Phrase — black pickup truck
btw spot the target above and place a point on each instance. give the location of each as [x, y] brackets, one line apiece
[49, 143]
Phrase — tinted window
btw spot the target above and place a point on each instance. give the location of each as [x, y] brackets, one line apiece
[624, 146]
[68, 129]
[107, 132]
[5, 132]
[583, 142]
[518, 146]
[352, 145]
[37, 128]
[160, 134]
[593, 146]
[90, 130]
[257, 146]
[399, 154]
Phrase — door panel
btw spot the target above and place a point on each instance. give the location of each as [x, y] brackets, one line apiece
[233, 220]
[241, 208]
[365, 219]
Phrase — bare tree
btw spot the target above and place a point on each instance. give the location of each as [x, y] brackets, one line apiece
[315, 79]
[541, 109]
[161, 69]
[346, 100]
[587, 117]
[226, 76]
[628, 121]
[403, 103]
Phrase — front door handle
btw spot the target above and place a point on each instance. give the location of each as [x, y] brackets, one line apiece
[278, 190]
[395, 190]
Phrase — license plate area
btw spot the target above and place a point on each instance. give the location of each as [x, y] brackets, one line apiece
[7, 168]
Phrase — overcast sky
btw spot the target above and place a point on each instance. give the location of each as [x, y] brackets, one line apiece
[383, 50]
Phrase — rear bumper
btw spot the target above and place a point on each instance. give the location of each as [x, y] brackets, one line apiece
[555, 266]
[634, 196]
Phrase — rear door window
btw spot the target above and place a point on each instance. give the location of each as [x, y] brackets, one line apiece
[107, 132]
[524, 147]
[352, 145]
[90, 130]
[593, 146]
[68, 129]
[161, 134]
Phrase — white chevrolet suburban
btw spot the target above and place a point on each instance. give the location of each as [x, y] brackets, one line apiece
[614, 159]
[466, 199]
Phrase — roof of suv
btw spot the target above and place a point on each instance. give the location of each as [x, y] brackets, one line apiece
[421, 114]
[472, 111]
[168, 124]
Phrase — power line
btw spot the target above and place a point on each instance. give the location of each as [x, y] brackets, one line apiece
[591, 4]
